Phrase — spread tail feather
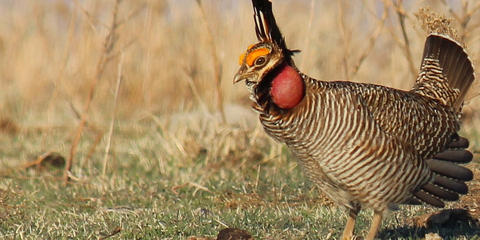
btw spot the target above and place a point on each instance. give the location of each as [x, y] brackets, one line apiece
[446, 72]
[450, 178]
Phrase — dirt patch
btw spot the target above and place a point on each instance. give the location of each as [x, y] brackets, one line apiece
[228, 234]
[445, 218]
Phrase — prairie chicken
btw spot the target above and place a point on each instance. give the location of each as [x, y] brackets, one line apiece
[365, 145]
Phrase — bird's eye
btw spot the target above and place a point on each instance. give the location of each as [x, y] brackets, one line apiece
[260, 61]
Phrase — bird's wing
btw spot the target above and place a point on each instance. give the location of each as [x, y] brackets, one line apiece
[371, 164]
[425, 124]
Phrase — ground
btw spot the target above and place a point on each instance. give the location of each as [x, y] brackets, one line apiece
[156, 190]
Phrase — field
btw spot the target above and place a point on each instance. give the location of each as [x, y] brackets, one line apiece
[135, 100]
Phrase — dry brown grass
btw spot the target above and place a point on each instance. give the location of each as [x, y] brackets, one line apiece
[49, 51]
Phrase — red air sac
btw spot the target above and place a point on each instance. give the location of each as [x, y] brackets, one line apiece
[287, 88]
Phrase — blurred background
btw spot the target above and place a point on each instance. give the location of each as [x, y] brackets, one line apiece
[175, 52]
[70, 66]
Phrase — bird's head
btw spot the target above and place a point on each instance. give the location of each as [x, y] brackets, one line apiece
[258, 60]
[267, 67]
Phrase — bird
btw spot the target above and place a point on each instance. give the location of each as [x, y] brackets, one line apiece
[365, 146]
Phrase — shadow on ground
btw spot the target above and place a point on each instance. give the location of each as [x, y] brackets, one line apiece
[447, 223]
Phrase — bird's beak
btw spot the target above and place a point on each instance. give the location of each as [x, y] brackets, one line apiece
[240, 75]
[243, 74]
[237, 78]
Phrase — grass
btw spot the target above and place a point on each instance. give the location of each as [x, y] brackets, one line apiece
[150, 194]
[175, 152]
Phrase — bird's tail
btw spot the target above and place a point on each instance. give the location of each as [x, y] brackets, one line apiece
[446, 72]
[450, 178]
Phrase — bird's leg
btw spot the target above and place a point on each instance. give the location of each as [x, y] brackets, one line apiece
[377, 220]
[348, 231]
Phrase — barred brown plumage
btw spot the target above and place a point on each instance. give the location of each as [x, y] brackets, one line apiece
[365, 145]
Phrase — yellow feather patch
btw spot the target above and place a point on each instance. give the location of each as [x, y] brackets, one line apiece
[242, 56]
[251, 57]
